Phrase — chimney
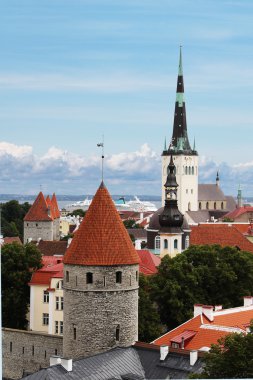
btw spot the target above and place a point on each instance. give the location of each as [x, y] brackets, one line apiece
[193, 357]
[54, 360]
[217, 307]
[137, 244]
[182, 343]
[208, 312]
[164, 350]
[197, 309]
[66, 364]
[248, 301]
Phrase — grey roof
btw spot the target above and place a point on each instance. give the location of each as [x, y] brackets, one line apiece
[138, 233]
[210, 192]
[131, 363]
[202, 216]
[231, 203]
[154, 223]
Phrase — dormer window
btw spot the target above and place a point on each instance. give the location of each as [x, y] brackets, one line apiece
[118, 277]
[89, 278]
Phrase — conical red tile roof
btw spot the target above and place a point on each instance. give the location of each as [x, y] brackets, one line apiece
[38, 211]
[54, 207]
[101, 239]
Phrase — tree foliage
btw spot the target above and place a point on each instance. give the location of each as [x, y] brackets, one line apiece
[149, 321]
[131, 223]
[12, 217]
[231, 358]
[77, 212]
[18, 263]
[202, 274]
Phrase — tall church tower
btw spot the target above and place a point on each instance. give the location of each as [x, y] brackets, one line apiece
[185, 158]
[101, 276]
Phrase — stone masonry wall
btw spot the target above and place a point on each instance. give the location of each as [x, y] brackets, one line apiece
[27, 351]
[36, 230]
[94, 312]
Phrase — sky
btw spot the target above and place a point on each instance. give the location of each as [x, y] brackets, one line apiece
[74, 70]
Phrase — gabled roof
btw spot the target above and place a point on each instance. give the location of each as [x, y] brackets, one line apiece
[210, 192]
[239, 211]
[39, 210]
[10, 240]
[219, 233]
[207, 332]
[50, 248]
[148, 262]
[101, 238]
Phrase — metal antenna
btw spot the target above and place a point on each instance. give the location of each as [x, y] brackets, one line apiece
[101, 145]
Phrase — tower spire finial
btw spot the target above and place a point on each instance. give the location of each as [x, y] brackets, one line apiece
[165, 144]
[101, 145]
[180, 67]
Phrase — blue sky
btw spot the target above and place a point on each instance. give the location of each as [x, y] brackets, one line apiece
[72, 70]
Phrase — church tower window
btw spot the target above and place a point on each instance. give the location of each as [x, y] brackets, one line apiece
[117, 333]
[157, 242]
[175, 244]
[189, 206]
[207, 205]
[118, 277]
[192, 169]
[222, 205]
[89, 278]
[200, 205]
[165, 244]
[67, 276]
[214, 206]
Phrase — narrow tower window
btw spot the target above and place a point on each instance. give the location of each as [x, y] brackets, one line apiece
[67, 276]
[222, 205]
[136, 274]
[117, 333]
[74, 332]
[89, 278]
[214, 206]
[186, 170]
[207, 205]
[200, 205]
[119, 277]
[165, 244]
[157, 242]
[189, 206]
[192, 169]
[175, 244]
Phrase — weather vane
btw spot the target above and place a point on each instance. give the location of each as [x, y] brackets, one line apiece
[101, 145]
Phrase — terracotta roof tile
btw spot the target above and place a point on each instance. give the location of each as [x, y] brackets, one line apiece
[101, 238]
[148, 262]
[50, 248]
[55, 208]
[207, 332]
[51, 269]
[10, 240]
[222, 234]
[38, 211]
[239, 211]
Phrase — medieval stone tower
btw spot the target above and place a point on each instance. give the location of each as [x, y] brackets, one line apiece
[42, 221]
[185, 158]
[101, 275]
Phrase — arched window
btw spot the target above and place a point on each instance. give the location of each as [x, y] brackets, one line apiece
[189, 170]
[117, 333]
[157, 242]
[200, 205]
[119, 277]
[186, 170]
[89, 278]
[175, 170]
[189, 206]
[187, 242]
[222, 205]
[207, 205]
[192, 169]
[214, 205]
[165, 244]
[175, 244]
[59, 284]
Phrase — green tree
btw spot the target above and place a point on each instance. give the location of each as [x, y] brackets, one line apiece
[79, 212]
[12, 217]
[202, 274]
[150, 326]
[131, 223]
[231, 358]
[18, 264]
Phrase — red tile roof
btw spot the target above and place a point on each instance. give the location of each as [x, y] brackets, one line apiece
[148, 262]
[185, 335]
[239, 211]
[10, 240]
[50, 248]
[38, 211]
[222, 234]
[101, 238]
[51, 269]
[54, 207]
[207, 332]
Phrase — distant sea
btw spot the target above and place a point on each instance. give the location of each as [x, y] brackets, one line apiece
[64, 200]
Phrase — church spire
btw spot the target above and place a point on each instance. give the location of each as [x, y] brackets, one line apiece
[180, 142]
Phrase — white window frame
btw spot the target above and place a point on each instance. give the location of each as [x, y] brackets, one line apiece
[45, 319]
[45, 296]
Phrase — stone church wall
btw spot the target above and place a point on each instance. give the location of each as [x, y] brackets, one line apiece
[38, 230]
[27, 351]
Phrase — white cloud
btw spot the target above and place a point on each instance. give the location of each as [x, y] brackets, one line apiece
[66, 172]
